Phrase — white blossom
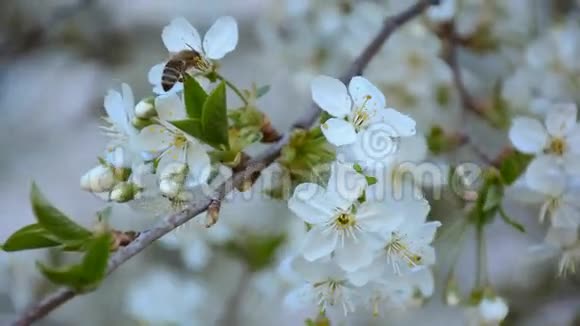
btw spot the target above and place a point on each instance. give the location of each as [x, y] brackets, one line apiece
[172, 144]
[558, 137]
[339, 224]
[361, 124]
[180, 35]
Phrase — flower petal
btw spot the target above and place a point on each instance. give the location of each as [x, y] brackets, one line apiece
[353, 255]
[179, 35]
[338, 132]
[365, 94]
[309, 203]
[318, 244]
[169, 107]
[330, 95]
[221, 38]
[393, 120]
[154, 138]
[573, 140]
[115, 109]
[572, 164]
[345, 184]
[561, 119]
[545, 176]
[199, 164]
[528, 135]
[566, 216]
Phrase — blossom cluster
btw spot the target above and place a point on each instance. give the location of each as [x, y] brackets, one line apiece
[366, 248]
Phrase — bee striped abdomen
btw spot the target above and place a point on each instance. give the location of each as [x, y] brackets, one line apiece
[172, 73]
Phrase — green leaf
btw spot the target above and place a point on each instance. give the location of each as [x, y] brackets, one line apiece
[511, 222]
[53, 220]
[214, 118]
[262, 91]
[371, 180]
[70, 276]
[94, 265]
[194, 96]
[493, 197]
[191, 127]
[89, 273]
[32, 236]
[513, 166]
[358, 168]
[257, 251]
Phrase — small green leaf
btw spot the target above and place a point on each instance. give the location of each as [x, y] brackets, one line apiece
[262, 91]
[31, 236]
[94, 265]
[358, 168]
[191, 127]
[214, 118]
[510, 221]
[70, 276]
[53, 220]
[513, 166]
[371, 180]
[257, 251]
[88, 274]
[194, 96]
[493, 197]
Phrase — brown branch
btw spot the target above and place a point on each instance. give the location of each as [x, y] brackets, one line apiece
[253, 167]
[450, 39]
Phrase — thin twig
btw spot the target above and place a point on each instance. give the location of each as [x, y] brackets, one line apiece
[450, 41]
[256, 165]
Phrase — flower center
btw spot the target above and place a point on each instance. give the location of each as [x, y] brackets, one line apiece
[361, 115]
[557, 146]
[179, 140]
[397, 249]
[330, 292]
[344, 221]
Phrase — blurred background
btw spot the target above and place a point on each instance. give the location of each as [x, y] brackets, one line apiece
[59, 57]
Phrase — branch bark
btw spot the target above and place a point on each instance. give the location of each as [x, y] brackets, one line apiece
[255, 165]
[450, 41]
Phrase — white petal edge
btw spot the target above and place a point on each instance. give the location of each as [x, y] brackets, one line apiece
[308, 202]
[561, 119]
[528, 135]
[181, 35]
[331, 95]
[318, 244]
[221, 38]
[338, 132]
[365, 94]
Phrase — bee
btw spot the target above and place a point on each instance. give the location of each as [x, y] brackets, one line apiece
[179, 64]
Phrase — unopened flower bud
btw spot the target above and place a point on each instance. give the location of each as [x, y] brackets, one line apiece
[140, 123]
[452, 293]
[122, 174]
[145, 109]
[213, 213]
[493, 310]
[123, 192]
[170, 188]
[98, 179]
